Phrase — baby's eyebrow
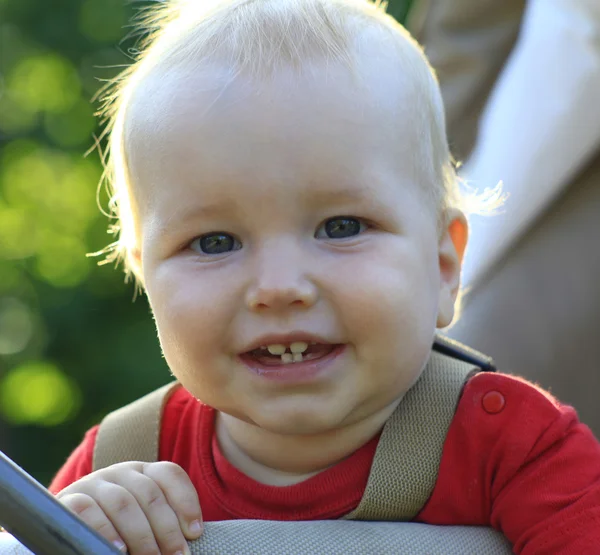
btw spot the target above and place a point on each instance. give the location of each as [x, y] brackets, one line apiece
[195, 212]
[351, 197]
[344, 195]
[229, 207]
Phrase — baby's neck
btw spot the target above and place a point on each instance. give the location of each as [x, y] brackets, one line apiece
[284, 460]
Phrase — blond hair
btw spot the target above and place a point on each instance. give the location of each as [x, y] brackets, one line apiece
[257, 37]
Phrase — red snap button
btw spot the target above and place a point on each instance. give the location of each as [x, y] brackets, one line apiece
[493, 402]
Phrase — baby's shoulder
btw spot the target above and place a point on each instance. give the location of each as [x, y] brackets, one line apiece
[497, 392]
[497, 404]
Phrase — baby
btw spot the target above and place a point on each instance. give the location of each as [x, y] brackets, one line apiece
[287, 200]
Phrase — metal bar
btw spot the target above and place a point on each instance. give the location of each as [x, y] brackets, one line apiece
[32, 515]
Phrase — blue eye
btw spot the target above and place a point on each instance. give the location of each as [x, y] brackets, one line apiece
[216, 243]
[341, 228]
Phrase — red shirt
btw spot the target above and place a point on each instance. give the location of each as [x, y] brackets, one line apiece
[529, 468]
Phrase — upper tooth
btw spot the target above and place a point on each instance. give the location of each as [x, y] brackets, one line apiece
[276, 349]
[298, 347]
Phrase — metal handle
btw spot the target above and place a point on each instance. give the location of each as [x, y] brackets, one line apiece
[32, 515]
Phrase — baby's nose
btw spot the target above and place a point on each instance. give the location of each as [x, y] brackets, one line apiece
[281, 284]
[278, 299]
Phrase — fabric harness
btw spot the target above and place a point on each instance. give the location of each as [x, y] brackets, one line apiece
[402, 477]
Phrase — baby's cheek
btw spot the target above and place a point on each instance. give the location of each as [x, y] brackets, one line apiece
[190, 313]
[395, 308]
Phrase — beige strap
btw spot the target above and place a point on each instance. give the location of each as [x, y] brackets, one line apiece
[407, 459]
[401, 478]
[395, 489]
[132, 433]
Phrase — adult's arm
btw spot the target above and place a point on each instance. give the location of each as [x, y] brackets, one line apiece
[540, 126]
[541, 122]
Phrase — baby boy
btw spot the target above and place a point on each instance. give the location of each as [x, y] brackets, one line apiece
[288, 202]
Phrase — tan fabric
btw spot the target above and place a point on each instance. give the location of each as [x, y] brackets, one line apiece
[536, 313]
[339, 537]
[132, 433]
[406, 463]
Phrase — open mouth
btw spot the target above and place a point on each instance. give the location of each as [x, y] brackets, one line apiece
[280, 354]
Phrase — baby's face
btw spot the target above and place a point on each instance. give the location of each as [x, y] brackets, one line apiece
[289, 214]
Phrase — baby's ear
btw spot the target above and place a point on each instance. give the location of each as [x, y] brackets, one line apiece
[453, 242]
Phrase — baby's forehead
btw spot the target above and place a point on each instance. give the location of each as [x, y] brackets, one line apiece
[375, 96]
[378, 85]
[326, 114]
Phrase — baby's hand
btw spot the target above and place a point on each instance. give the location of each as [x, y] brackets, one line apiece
[142, 508]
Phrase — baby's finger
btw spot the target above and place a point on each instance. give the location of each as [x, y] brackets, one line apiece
[130, 521]
[161, 516]
[86, 508]
[180, 494]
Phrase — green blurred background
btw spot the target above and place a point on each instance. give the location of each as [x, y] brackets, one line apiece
[73, 344]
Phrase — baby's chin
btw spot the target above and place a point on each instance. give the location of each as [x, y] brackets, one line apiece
[291, 422]
[306, 420]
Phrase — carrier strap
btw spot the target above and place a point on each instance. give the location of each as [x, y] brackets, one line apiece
[406, 463]
[132, 433]
[401, 478]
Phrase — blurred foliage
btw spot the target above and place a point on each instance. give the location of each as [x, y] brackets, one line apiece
[73, 346]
